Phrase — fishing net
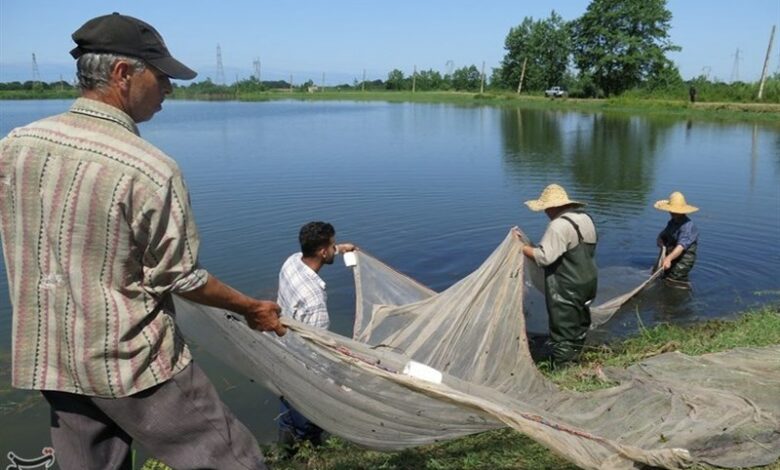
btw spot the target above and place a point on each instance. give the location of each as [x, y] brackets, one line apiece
[424, 367]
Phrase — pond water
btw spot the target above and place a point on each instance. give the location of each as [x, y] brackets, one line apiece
[432, 190]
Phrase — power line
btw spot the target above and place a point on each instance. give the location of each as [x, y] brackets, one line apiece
[256, 65]
[220, 69]
[36, 76]
[735, 69]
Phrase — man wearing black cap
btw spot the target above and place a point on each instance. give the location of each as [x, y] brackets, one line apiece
[98, 233]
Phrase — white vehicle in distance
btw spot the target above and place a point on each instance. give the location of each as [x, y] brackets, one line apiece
[555, 92]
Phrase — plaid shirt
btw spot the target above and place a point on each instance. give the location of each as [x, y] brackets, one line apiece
[97, 233]
[302, 293]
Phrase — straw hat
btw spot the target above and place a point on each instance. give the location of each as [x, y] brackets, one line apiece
[552, 196]
[675, 204]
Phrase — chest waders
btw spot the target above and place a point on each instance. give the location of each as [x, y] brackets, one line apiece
[682, 266]
[569, 286]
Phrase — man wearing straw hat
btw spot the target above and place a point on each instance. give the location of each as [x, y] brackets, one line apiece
[567, 254]
[680, 237]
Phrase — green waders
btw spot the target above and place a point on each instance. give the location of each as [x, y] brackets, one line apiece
[682, 266]
[569, 287]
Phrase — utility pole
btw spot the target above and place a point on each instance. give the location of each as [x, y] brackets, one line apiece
[482, 79]
[220, 69]
[291, 84]
[766, 62]
[323, 82]
[363, 83]
[522, 75]
[414, 79]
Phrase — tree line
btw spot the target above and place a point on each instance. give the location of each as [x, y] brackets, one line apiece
[616, 46]
[30, 85]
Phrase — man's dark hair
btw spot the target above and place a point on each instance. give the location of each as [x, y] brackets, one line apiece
[315, 235]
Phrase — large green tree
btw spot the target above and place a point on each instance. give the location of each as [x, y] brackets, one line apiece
[466, 78]
[396, 80]
[621, 44]
[546, 44]
[429, 80]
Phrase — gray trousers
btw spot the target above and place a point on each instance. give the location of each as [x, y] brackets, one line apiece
[182, 422]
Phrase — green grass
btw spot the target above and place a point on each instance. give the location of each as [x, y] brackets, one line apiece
[500, 449]
[726, 111]
[758, 328]
[628, 104]
[507, 449]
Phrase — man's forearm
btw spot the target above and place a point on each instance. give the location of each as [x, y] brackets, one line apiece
[215, 293]
[678, 250]
[260, 315]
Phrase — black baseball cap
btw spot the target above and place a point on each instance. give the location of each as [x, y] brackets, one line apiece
[125, 35]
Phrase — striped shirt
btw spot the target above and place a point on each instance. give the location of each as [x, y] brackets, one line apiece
[97, 232]
[302, 293]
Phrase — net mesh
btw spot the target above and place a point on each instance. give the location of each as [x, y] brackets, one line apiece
[668, 411]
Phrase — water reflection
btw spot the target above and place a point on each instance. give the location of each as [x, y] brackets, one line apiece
[608, 158]
[753, 155]
[533, 140]
[431, 189]
[615, 158]
[777, 154]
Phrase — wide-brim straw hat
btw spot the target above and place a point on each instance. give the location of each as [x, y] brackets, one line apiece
[675, 204]
[552, 196]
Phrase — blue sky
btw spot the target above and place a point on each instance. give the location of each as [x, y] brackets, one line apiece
[341, 38]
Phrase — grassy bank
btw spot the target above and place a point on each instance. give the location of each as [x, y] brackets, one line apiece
[38, 94]
[507, 449]
[726, 111]
[720, 111]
